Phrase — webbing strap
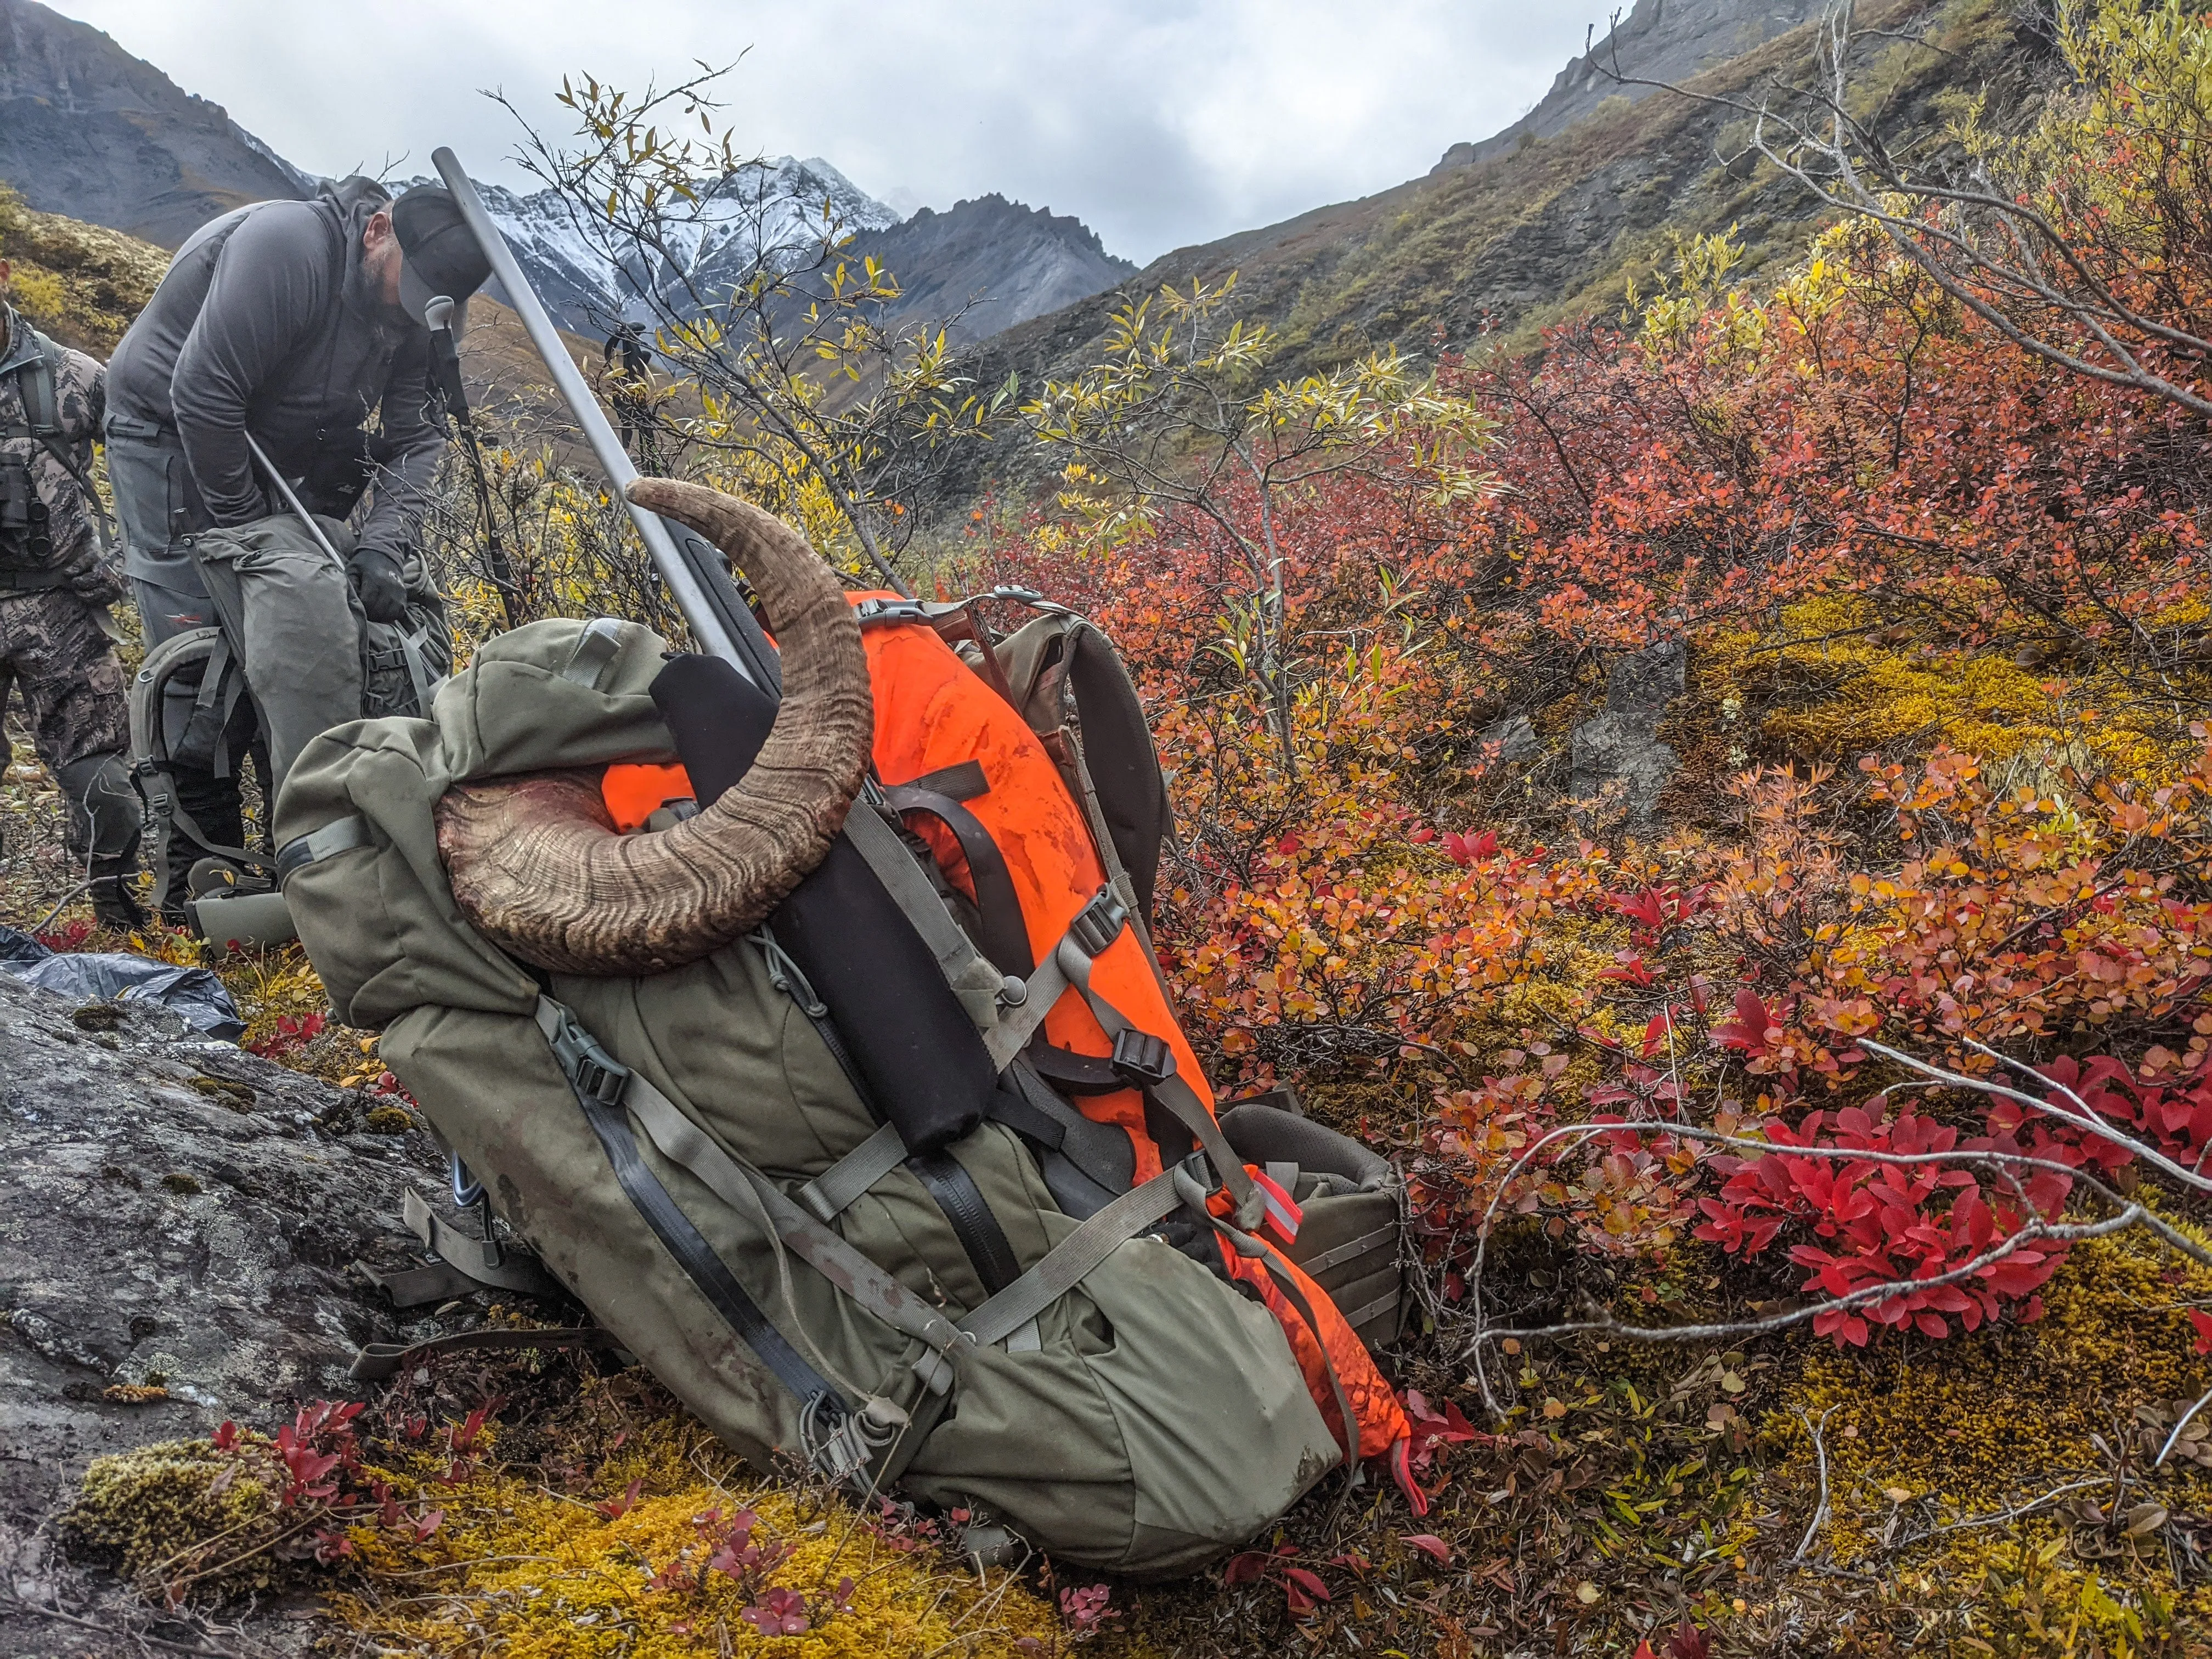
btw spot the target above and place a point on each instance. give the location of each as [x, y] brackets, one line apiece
[1351, 1250]
[754, 1196]
[598, 1080]
[957, 955]
[1385, 1303]
[411, 640]
[1072, 1261]
[485, 1261]
[1171, 1090]
[1101, 1151]
[339, 835]
[1287, 1283]
[1006, 938]
[830, 1194]
[379, 1360]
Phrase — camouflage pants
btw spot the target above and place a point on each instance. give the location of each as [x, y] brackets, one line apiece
[53, 652]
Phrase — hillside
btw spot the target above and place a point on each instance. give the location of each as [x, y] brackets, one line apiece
[88, 130]
[1493, 250]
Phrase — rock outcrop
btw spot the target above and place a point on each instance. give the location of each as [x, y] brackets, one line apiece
[180, 1222]
[1617, 756]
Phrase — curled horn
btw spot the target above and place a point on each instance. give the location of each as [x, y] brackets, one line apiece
[535, 862]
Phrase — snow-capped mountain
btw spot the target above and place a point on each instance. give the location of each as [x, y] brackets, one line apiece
[763, 209]
[88, 130]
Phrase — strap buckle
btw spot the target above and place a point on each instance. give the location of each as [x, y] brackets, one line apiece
[601, 1078]
[594, 1072]
[890, 610]
[1098, 924]
[1141, 1060]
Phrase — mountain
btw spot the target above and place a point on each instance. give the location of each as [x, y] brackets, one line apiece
[1669, 40]
[1000, 262]
[1551, 219]
[764, 204]
[87, 131]
[1013, 262]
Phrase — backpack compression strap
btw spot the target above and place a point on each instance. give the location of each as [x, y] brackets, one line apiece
[838, 1441]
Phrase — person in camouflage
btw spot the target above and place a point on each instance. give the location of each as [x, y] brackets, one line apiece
[56, 584]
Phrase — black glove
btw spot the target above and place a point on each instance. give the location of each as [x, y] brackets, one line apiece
[376, 578]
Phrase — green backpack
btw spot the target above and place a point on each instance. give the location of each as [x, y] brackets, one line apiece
[659, 1143]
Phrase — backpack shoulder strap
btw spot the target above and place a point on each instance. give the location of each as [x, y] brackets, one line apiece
[35, 382]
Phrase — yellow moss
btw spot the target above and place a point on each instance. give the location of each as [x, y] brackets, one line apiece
[166, 1510]
[533, 1574]
[1930, 1436]
[1852, 685]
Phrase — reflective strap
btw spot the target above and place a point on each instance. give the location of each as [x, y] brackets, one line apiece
[486, 1260]
[601, 638]
[1072, 1261]
[339, 835]
[1352, 1250]
[1171, 1091]
[832, 1191]
[754, 1196]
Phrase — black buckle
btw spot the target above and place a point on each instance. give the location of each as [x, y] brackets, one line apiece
[1099, 924]
[601, 1080]
[1141, 1060]
[889, 611]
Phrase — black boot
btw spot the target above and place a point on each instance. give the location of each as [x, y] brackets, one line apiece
[114, 893]
[103, 830]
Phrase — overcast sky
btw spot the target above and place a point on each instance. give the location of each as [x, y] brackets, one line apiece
[1157, 122]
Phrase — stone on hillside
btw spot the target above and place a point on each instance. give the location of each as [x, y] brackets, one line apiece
[1617, 758]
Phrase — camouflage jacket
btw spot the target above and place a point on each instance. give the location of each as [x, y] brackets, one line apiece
[80, 406]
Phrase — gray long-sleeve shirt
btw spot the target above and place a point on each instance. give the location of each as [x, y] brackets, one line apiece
[266, 323]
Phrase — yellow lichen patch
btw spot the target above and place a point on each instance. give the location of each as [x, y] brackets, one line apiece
[663, 1556]
[1974, 1470]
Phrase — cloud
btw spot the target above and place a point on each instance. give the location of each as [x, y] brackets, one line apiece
[1157, 122]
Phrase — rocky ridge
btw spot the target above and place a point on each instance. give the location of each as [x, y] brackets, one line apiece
[87, 131]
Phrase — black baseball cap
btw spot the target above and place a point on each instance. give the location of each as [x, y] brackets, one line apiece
[437, 256]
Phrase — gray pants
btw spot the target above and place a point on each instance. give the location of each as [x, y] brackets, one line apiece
[292, 615]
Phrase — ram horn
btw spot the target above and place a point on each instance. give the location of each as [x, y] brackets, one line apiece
[535, 862]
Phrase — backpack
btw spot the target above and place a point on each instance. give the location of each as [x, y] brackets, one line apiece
[1030, 1313]
[184, 709]
[26, 548]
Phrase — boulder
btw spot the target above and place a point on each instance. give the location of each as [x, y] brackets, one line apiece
[179, 1223]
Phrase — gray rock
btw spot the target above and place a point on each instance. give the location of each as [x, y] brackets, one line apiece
[148, 1227]
[1617, 758]
[1516, 737]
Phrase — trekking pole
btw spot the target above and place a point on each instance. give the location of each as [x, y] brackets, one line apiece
[693, 571]
[293, 501]
[446, 365]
